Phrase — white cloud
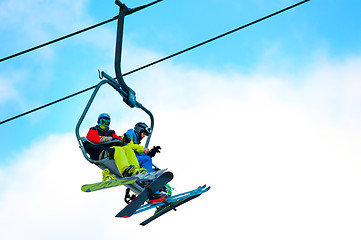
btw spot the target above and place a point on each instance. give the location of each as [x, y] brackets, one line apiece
[280, 165]
[37, 19]
[26, 25]
[334, 88]
[281, 153]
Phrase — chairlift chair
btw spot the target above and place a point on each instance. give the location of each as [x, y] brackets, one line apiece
[88, 148]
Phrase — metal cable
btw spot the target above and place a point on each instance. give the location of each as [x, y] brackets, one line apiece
[160, 60]
[58, 39]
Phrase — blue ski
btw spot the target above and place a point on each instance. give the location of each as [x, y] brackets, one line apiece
[174, 198]
[172, 203]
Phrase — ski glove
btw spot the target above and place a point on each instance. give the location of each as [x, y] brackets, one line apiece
[126, 138]
[122, 142]
[154, 150]
[105, 139]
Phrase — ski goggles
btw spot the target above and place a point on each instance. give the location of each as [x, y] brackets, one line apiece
[104, 121]
[147, 131]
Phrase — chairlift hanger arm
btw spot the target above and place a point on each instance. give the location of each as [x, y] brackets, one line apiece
[113, 84]
[119, 84]
[123, 11]
[137, 104]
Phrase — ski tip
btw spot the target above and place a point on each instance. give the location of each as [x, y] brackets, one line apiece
[85, 188]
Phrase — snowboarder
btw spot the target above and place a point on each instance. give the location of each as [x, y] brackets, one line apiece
[124, 156]
[144, 155]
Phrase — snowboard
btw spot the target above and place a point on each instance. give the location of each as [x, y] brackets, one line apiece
[122, 181]
[156, 185]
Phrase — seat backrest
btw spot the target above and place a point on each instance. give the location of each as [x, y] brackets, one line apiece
[93, 150]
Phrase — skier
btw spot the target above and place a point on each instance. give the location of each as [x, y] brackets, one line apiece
[124, 156]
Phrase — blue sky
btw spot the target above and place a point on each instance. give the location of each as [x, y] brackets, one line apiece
[269, 115]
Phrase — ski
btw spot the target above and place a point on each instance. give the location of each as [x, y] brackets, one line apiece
[157, 184]
[172, 203]
[122, 181]
[174, 198]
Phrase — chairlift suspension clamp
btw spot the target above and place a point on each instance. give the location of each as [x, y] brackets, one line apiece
[131, 99]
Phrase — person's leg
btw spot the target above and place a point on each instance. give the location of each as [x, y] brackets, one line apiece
[146, 162]
[130, 155]
[120, 159]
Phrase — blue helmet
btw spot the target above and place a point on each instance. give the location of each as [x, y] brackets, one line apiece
[104, 119]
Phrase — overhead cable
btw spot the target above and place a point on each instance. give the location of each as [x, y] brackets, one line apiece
[58, 39]
[161, 60]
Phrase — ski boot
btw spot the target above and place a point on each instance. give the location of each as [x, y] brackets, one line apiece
[165, 191]
[157, 197]
[161, 195]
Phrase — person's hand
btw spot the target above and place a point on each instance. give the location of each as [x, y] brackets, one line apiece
[105, 139]
[154, 151]
[146, 150]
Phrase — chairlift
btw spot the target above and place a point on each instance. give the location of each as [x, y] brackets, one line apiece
[91, 150]
[128, 95]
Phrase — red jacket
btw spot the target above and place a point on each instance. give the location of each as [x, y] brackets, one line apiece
[96, 133]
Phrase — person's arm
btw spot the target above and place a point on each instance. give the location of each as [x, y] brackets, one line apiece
[93, 136]
[116, 136]
[136, 147]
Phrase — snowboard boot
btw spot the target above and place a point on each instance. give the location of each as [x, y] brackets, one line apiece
[129, 171]
[139, 171]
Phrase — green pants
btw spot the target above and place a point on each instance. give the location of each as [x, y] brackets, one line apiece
[124, 157]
